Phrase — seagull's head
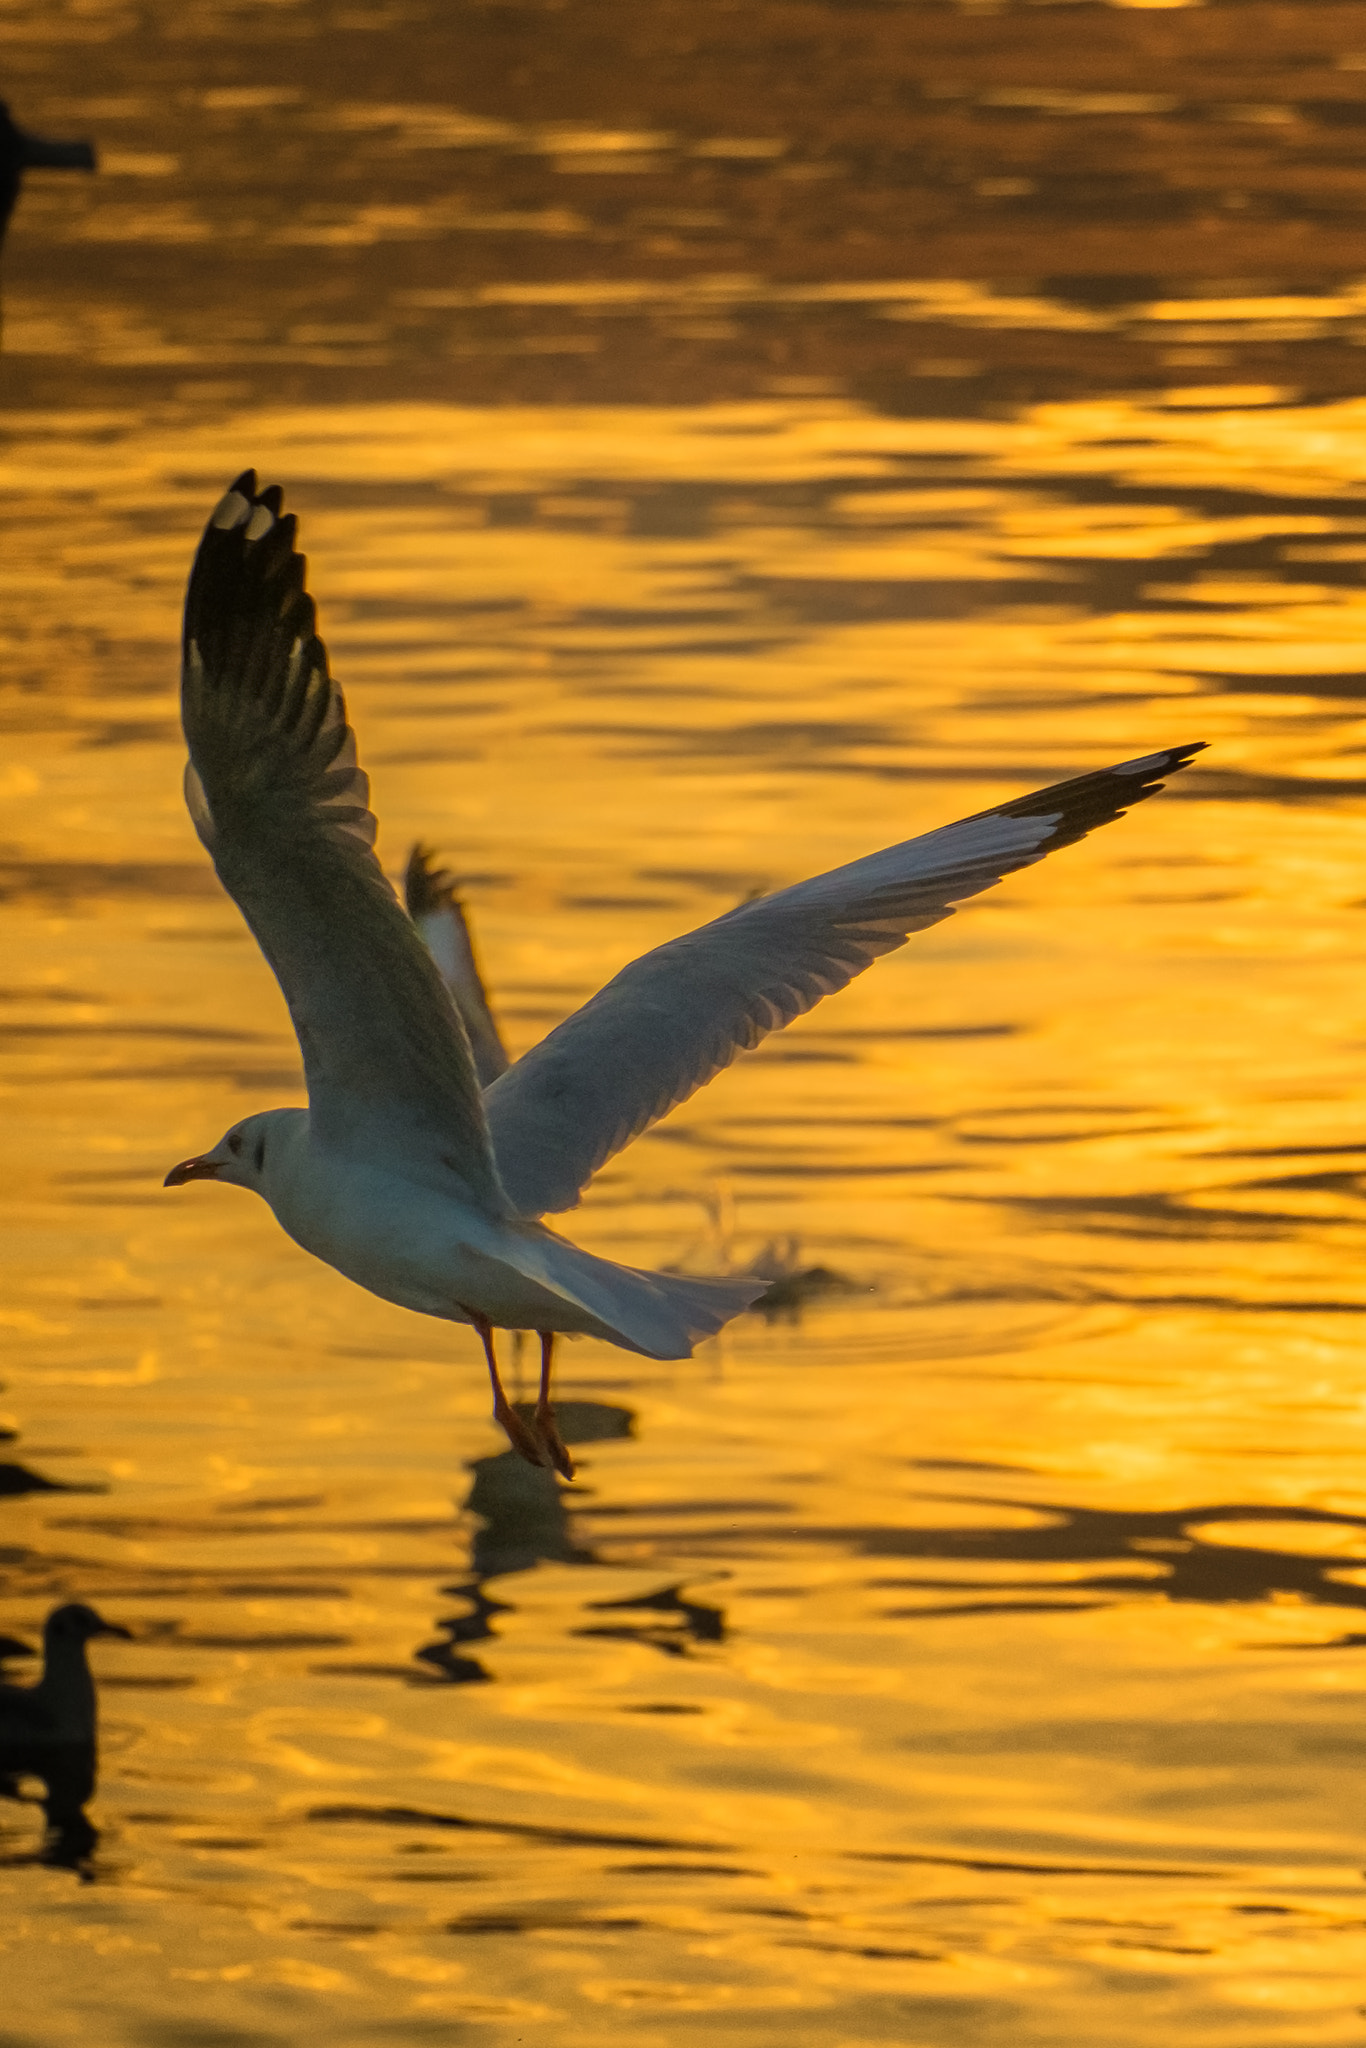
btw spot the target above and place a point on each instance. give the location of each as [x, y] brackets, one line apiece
[76, 1623]
[242, 1155]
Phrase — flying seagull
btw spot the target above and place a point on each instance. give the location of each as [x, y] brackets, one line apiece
[402, 1172]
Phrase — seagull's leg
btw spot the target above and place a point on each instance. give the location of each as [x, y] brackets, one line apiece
[546, 1427]
[522, 1438]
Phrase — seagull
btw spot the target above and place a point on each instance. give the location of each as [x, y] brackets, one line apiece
[20, 152]
[404, 1173]
[60, 1709]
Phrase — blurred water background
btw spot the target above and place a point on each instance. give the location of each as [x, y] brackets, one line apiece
[728, 439]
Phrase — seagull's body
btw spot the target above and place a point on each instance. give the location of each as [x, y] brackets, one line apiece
[404, 1172]
[59, 1711]
[403, 1234]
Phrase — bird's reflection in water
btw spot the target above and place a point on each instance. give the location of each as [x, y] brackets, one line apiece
[67, 1773]
[524, 1520]
[49, 1731]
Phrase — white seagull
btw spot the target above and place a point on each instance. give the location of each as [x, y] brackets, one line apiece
[402, 1172]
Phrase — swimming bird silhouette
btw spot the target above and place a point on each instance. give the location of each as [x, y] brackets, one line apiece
[20, 152]
[60, 1709]
[402, 1173]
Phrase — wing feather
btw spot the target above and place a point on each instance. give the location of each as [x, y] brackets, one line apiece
[435, 905]
[281, 802]
[674, 1018]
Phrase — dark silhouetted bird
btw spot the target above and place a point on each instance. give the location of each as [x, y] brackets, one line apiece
[20, 152]
[60, 1708]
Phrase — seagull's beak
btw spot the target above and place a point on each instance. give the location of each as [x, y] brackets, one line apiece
[114, 1628]
[202, 1168]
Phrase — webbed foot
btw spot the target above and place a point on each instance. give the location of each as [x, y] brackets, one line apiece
[524, 1439]
[547, 1430]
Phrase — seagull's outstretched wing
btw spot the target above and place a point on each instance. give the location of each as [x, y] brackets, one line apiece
[435, 906]
[678, 1015]
[280, 801]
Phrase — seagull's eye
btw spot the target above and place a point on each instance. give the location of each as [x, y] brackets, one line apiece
[235, 1144]
[260, 1153]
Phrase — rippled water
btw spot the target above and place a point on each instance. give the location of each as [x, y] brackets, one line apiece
[726, 441]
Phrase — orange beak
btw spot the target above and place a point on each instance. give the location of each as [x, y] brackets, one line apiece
[190, 1169]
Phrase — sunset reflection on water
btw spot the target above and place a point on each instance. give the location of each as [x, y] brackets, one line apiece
[971, 1653]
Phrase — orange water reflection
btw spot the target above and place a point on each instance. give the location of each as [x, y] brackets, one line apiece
[974, 1656]
[1088, 1153]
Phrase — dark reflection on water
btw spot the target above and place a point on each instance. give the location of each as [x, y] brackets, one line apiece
[1219, 1210]
[67, 1775]
[670, 1621]
[524, 1513]
[15, 1479]
[525, 1519]
[1181, 1562]
[1184, 1558]
[408, 1817]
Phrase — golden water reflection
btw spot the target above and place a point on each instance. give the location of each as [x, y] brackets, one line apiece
[979, 1645]
[711, 468]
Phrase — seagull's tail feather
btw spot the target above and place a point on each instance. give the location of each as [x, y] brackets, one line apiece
[703, 1307]
[660, 1314]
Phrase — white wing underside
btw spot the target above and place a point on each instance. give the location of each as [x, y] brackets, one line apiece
[674, 1018]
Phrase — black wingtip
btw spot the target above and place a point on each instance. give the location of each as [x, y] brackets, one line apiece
[1087, 801]
[243, 519]
[1164, 763]
[427, 887]
[246, 587]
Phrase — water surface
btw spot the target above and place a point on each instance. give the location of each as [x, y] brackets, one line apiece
[725, 445]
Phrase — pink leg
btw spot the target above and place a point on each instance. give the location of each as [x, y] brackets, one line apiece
[522, 1438]
[546, 1428]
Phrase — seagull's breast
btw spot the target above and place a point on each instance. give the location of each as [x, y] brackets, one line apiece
[402, 1239]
